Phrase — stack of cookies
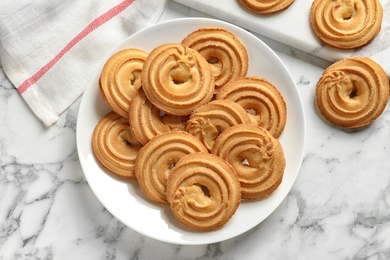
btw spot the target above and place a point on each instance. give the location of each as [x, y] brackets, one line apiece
[191, 127]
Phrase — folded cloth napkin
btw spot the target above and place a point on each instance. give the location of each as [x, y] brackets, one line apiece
[49, 49]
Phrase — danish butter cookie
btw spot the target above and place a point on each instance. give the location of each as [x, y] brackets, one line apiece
[208, 121]
[226, 54]
[156, 159]
[203, 191]
[114, 145]
[263, 101]
[346, 24]
[266, 6]
[146, 120]
[120, 79]
[177, 79]
[352, 92]
[256, 156]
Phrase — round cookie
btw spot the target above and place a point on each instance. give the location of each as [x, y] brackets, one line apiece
[352, 92]
[346, 24]
[208, 121]
[114, 146]
[177, 79]
[120, 79]
[263, 101]
[146, 120]
[256, 156]
[225, 53]
[266, 6]
[156, 159]
[203, 192]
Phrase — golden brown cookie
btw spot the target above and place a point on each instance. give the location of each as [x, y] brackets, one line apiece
[346, 24]
[256, 156]
[225, 53]
[203, 191]
[120, 79]
[147, 121]
[177, 79]
[208, 121]
[114, 146]
[352, 92]
[266, 6]
[156, 159]
[261, 99]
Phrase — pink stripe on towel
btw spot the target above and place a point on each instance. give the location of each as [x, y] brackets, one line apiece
[85, 32]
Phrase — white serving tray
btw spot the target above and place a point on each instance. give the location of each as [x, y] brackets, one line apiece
[292, 27]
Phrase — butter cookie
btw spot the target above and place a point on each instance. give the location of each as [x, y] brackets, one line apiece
[114, 145]
[208, 121]
[263, 101]
[120, 79]
[226, 54]
[346, 24]
[256, 156]
[147, 121]
[352, 92]
[177, 79]
[156, 159]
[266, 6]
[203, 191]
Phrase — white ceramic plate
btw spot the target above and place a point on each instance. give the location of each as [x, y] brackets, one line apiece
[125, 200]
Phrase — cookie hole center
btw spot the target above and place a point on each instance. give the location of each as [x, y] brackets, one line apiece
[220, 129]
[347, 18]
[171, 164]
[245, 162]
[124, 138]
[213, 60]
[205, 190]
[252, 111]
[347, 10]
[134, 78]
[132, 81]
[354, 91]
[178, 82]
[161, 114]
[180, 74]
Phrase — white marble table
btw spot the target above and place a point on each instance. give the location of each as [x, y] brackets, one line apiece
[339, 207]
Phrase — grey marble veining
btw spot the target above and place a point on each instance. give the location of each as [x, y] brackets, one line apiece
[339, 207]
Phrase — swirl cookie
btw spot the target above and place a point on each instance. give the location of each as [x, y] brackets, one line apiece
[265, 104]
[208, 121]
[346, 24]
[203, 191]
[266, 6]
[156, 159]
[177, 79]
[146, 120]
[225, 53]
[114, 145]
[120, 79]
[256, 156]
[352, 92]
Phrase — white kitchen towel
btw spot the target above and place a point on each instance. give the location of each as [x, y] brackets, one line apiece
[49, 49]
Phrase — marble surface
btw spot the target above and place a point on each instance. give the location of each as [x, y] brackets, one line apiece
[338, 208]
